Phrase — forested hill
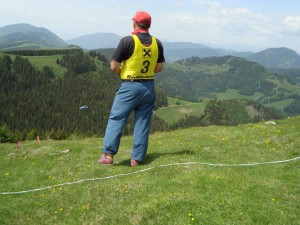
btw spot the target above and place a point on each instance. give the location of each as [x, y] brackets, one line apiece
[282, 58]
[196, 78]
[63, 92]
[39, 102]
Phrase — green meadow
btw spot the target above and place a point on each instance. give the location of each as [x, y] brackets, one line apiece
[234, 94]
[201, 175]
[178, 109]
[40, 61]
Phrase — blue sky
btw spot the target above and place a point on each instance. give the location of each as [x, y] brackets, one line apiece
[241, 25]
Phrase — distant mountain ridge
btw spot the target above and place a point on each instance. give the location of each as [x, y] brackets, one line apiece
[283, 58]
[95, 41]
[270, 58]
[26, 36]
[14, 28]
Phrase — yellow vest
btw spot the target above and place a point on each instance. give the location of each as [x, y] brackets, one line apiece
[142, 62]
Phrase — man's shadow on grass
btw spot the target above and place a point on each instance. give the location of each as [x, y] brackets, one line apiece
[151, 157]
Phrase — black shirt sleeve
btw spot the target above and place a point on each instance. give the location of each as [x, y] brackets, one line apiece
[126, 47]
[161, 56]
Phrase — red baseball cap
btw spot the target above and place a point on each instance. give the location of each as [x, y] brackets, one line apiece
[142, 17]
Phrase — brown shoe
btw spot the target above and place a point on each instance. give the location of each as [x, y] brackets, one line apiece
[106, 159]
[134, 162]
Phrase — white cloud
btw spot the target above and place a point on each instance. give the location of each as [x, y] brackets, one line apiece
[211, 22]
[292, 23]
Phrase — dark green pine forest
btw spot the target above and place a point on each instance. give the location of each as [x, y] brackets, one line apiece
[36, 101]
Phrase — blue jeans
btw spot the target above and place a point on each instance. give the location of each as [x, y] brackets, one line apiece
[131, 96]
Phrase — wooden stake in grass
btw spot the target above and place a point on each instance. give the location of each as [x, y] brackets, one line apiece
[18, 145]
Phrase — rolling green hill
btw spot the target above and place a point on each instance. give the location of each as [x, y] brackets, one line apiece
[195, 79]
[225, 111]
[277, 58]
[37, 99]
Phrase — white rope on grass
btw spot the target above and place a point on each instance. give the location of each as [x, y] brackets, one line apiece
[147, 169]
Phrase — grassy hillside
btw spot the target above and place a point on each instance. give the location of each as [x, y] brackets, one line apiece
[178, 109]
[175, 186]
[278, 104]
[228, 78]
[40, 61]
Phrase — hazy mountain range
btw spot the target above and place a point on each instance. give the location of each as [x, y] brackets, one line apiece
[26, 36]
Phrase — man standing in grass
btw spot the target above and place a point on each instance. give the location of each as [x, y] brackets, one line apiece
[136, 60]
